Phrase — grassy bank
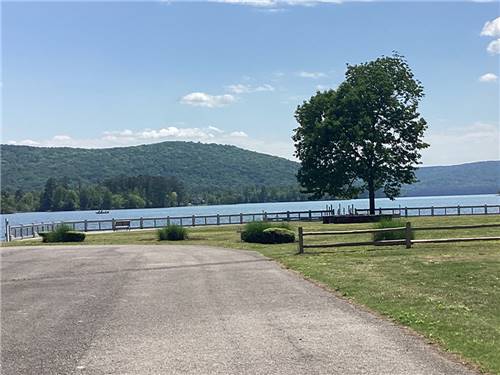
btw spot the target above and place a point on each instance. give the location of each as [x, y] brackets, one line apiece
[448, 292]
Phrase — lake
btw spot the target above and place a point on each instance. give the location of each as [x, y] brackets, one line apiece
[39, 217]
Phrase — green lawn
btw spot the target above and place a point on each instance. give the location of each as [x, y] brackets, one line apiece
[448, 292]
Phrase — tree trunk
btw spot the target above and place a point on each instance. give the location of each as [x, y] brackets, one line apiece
[371, 195]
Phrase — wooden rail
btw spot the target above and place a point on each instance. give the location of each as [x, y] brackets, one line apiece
[435, 210]
[407, 241]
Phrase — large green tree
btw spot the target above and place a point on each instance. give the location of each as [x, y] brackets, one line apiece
[365, 135]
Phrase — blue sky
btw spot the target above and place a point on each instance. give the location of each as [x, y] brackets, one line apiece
[92, 74]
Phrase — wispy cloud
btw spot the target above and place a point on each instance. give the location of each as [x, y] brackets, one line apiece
[312, 75]
[276, 3]
[488, 77]
[491, 28]
[494, 47]
[241, 88]
[201, 99]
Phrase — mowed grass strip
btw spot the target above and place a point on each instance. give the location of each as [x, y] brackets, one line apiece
[450, 292]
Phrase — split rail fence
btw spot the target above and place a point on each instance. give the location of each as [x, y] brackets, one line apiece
[408, 240]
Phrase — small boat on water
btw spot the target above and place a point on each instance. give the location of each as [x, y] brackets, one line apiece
[100, 212]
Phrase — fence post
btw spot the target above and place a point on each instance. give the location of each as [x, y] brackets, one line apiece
[7, 230]
[408, 235]
[310, 215]
[112, 224]
[218, 219]
[241, 218]
[141, 223]
[168, 220]
[33, 230]
[486, 209]
[85, 226]
[406, 211]
[301, 241]
[458, 209]
[288, 215]
[194, 220]
[432, 211]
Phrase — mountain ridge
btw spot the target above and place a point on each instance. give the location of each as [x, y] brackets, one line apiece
[205, 166]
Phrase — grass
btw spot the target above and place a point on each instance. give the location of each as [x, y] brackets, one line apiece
[450, 293]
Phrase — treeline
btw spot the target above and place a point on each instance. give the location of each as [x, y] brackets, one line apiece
[134, 192]
[113, 193]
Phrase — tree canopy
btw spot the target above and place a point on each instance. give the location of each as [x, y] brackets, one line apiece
[365, 135]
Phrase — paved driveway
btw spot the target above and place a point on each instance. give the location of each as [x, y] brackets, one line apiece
[187, 310]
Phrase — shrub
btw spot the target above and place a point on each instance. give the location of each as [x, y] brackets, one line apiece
[73, 236]
[255, 232]
[62, 233]
[394, 235]
[172, 233]
[278, 235]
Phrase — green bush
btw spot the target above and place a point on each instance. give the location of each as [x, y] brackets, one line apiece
[73, 236]
[62, 233]
[172, 233]
[278, 235]
[394, 235]
[259, 232]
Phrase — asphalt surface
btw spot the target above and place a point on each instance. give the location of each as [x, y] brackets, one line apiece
[188, 310]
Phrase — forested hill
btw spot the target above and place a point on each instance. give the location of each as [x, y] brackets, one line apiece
[207, 167]
[199, 166]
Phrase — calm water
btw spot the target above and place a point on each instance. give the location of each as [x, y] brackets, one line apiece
[39, 217]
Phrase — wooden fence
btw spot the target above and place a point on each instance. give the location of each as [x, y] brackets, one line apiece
[407, 241]
[21, 231]
[434, 210]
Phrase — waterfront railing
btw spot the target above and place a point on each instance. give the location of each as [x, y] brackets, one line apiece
[23, 231]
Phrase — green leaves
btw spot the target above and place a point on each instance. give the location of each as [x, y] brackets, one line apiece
[365, 135]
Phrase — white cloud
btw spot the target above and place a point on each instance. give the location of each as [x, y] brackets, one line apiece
[313, 75]
[491, 28]
[488, 77]
[241, 88]
[494, 47]
[476, 142]
[61, 138]
[238, 134]
[201, 99]
[217, 130]
[24, 142]
[276, 3]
